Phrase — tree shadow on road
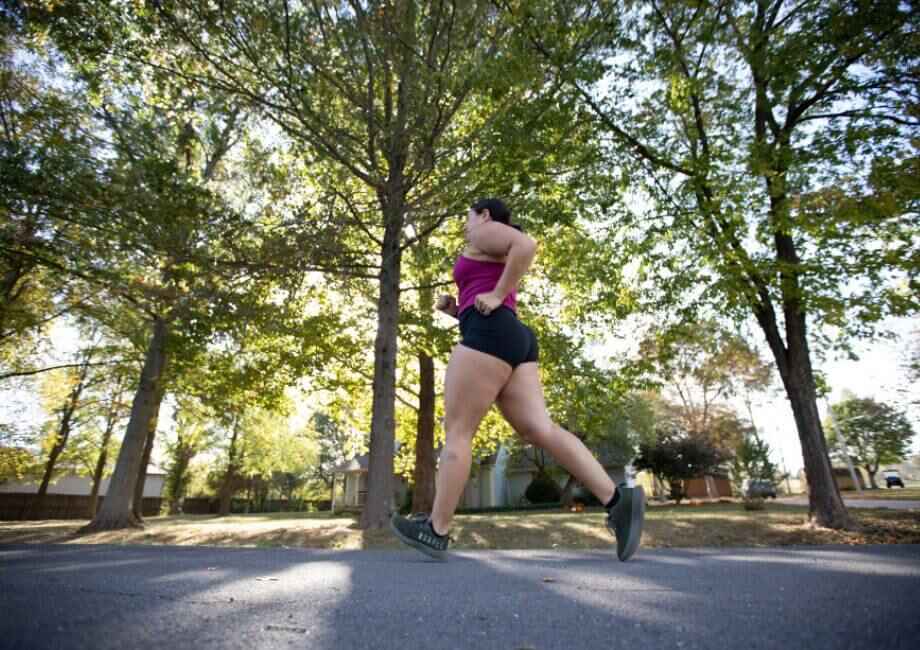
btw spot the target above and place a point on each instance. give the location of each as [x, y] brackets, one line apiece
[139, 597]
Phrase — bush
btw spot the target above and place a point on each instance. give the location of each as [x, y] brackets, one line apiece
[585, 497]
[543, 489]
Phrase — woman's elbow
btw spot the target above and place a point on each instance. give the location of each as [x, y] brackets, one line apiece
[529, 246]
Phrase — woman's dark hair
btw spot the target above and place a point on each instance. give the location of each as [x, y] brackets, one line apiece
[497, 209]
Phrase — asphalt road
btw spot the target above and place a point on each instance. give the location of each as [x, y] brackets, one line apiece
[893, 504]
[84, 596]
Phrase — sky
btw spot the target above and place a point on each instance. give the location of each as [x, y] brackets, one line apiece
[877, 374]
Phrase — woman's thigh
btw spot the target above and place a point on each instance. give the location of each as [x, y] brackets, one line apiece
[471, 384]
[522, 404]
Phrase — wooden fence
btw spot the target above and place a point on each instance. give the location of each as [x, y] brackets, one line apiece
[18, 506]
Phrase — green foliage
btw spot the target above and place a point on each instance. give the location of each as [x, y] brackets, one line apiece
[703, 364]
[752, 461]
[334, 444]
[543, 489]
[195, 433]
[676, 456]
[269, 445]
[874, 433]
[16, 464]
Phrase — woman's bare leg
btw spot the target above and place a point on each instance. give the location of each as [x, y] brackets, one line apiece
[521, 402]
[472, 382]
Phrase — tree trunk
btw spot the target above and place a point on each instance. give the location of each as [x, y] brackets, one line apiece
[793, 359]
[97, 479]
[872, 484]
[423, 492]
[177, 477]
[677, 490]
[103, 453]
[60, 441]
[138, 502]
[10, 290]
[70, 407]
[116, 511]
[824, 503]
[376, 512]
[228, 487]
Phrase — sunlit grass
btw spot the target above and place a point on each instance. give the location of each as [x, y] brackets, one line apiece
[670, 526]
[899, 494]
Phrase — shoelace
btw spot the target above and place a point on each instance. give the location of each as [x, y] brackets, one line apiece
[421, 518]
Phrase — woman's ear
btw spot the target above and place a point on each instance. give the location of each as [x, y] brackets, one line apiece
[486, 214]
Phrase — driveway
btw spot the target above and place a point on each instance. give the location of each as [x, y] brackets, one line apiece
[81, 596]
[894, 504]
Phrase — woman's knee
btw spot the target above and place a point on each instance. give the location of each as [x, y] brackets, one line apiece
[458, 436]
[537, 432]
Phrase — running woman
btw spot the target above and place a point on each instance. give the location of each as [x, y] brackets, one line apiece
[496, 362]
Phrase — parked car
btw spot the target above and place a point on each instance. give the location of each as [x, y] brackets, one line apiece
[892, 478]
[761, 488]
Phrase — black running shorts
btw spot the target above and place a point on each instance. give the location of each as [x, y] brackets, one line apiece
[499, 334]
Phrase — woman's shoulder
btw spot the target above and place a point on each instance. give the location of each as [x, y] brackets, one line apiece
[473, 253]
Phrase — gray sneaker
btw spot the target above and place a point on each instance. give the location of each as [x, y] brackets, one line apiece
[416, 531]
[625, 520]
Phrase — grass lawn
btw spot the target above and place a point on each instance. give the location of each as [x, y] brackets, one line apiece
[711, 524]
[911, 493]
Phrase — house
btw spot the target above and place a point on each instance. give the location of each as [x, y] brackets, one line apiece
[842, 476]
[501, 479]
[488, 485]
[497, 480]
[74, 484]
[68, 497]
[710, 486]
[845, 480]
[352, 477]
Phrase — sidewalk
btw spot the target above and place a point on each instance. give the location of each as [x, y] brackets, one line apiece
[78, 596]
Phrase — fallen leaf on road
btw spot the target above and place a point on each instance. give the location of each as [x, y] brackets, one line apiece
[267, 579]
[549, 580]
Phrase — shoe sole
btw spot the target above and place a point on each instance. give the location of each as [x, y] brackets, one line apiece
[427, 550]
[635, 524]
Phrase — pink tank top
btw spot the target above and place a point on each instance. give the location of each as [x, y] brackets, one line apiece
[474, 277]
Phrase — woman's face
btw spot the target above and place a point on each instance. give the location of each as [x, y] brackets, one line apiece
[474, 218]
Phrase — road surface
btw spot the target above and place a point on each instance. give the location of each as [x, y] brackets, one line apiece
[102, 596]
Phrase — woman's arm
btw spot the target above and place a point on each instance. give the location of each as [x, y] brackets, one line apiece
[499, 240]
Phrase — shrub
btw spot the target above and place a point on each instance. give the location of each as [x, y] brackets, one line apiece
[543, 489]
[753, 503]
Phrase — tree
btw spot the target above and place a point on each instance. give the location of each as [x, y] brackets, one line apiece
[193, 435]
[151, 231]
[261, 447]
[703, 364]
[390, 105]
[910, 367]
[772, 140]
[334, 444]
[752, 461]
[44, 156]
[874, 433]
[676, 456]
[65, 412]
